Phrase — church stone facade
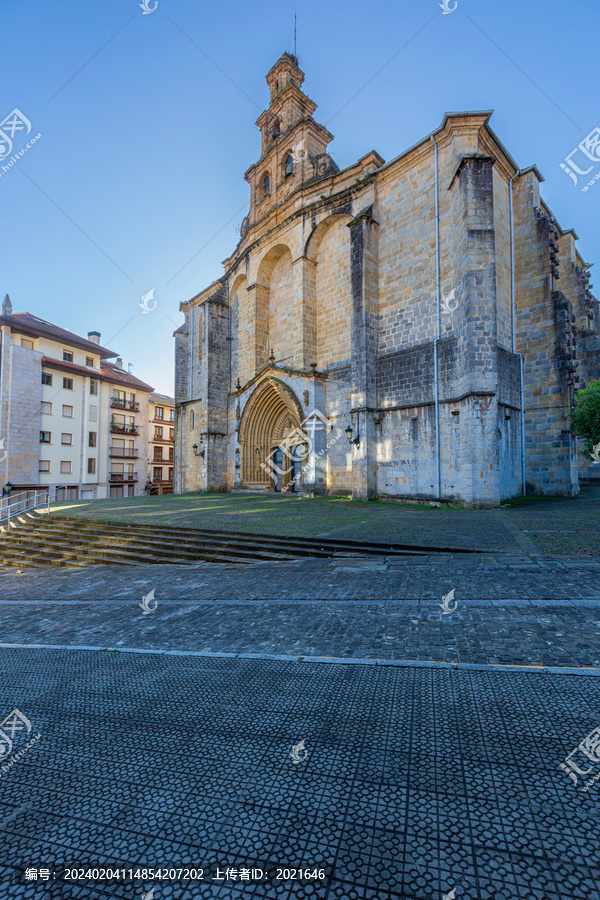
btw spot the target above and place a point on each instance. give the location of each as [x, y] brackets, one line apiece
[414, 329]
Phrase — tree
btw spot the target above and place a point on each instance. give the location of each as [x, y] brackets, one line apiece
[586, 417]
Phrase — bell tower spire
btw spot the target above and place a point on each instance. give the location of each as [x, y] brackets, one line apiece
[293, 145]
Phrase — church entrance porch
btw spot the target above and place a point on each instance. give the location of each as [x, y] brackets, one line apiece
[273, 445]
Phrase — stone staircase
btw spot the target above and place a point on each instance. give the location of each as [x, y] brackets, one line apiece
[40, 540]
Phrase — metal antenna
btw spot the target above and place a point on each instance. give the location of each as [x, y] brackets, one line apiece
[295, 54]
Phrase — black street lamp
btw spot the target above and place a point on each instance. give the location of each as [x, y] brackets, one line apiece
[351, 440]
[7, 489]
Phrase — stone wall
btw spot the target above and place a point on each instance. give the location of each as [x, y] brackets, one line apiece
[332, 290]
[21, 375]
[341, 273]
[544, 337]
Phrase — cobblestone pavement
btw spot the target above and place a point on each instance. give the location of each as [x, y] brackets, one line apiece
[522, 612]
[411, 782]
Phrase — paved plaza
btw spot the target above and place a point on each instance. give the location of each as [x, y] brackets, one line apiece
[411, 781]
[333, 718]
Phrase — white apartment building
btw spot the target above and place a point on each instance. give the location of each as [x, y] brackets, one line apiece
[161, 443]
[70, 420]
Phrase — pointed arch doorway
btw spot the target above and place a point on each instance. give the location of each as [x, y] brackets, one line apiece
[272, 442]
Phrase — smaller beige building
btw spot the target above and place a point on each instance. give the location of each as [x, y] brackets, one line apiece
[161, 443]
[70, 420]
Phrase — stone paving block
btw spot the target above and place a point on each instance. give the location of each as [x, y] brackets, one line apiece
[415, 780]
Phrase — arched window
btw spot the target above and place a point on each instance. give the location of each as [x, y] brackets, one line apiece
[276, 129]
[266, 186]
[289, 166]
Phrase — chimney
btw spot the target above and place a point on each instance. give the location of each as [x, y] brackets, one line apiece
[7, 306]
[119, 362]
[94, 337]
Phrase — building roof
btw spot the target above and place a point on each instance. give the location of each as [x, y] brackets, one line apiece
[73, 368]
[26, 323]
[119, 376]
[161, 398]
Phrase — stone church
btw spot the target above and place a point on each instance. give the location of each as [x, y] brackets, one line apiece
[412, 329]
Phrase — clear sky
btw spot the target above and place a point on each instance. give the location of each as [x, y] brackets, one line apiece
[147, 125]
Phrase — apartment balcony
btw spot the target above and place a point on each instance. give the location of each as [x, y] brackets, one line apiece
[117, 403]
[123, 429]
[122, 477]
[123, 453]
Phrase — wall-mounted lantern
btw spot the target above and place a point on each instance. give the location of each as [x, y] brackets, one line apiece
[197, 451]
[351, 440]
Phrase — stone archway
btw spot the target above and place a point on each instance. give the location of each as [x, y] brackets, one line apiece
[271, 417]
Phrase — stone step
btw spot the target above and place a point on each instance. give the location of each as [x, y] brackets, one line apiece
[200, 545]
[58, 547]
[363, 547]
[48, 540]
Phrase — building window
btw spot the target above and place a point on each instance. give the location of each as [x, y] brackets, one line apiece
[89, 361]
[45, 437]
[67, 356]
[158, 453]
[159, 412]
[266, 186]
[66, 438]
[67, 411]
[68, 384]
[170, 434]
[44, 465]
[65, 467]
[171, 415]
[157, 474]
[289, 166]
[93, 413]
[91, 439]
[46, 378]
[91, 466]
[27, 344]
[46, 408]
[170, 454]
[158, 432]
[93, 386]
[170, 474]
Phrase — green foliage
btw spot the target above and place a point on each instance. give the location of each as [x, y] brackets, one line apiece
[586, 416]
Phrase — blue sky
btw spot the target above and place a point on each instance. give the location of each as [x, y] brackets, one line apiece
[147, 125]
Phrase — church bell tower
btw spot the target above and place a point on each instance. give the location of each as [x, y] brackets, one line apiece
[293, 145]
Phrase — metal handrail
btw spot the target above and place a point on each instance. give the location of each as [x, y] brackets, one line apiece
[30, 503]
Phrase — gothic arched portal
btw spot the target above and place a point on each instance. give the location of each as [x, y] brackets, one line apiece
[271, 415]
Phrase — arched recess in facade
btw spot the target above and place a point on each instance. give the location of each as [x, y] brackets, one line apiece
[275, 321]
[327, 291]
[271, 414]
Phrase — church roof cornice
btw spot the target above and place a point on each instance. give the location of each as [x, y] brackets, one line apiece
[209, 293]
[331, 202]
